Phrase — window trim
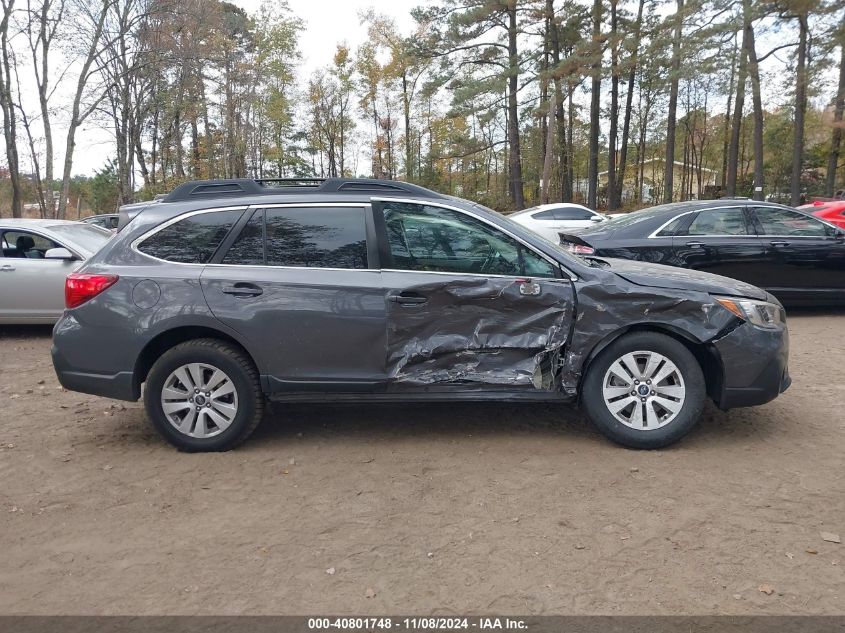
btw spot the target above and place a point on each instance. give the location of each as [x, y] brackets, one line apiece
[565, 272]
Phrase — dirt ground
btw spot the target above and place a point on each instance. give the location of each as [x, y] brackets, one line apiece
[458, 509]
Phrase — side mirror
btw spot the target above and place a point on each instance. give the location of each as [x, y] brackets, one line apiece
[59, 253]
[597, 218]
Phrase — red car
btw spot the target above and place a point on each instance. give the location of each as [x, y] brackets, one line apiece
[832, 211]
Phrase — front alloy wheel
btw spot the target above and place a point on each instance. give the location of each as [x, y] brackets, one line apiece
[644, 390]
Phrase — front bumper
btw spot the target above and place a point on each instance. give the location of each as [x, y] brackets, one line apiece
[754, 366]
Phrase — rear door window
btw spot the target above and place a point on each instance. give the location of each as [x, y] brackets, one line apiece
[724, 221]
[303, 237]
[191, 240]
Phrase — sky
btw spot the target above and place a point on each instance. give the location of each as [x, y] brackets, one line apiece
[327, 23]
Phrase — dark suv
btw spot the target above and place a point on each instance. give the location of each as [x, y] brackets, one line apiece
[225, 293]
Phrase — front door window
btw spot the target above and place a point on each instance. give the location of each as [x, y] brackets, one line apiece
[428, 238]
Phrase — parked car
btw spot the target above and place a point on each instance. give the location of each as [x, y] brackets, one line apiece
[37, 256]
[381, 291]
[549, 220]
[832, 211]
[797, 257]
[107, 221]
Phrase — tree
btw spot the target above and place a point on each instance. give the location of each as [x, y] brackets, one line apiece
[89, 18]
[838, 109]
[595, 108]
[671, 120]
[7, 105]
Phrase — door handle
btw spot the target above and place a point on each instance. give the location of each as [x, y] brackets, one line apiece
[408, 299]
[242, 289]
[6, 268]
[779, 243]
[695, 244]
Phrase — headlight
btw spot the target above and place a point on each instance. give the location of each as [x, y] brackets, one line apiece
[760, 313]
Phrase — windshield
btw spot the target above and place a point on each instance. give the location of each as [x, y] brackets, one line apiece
[86, 236]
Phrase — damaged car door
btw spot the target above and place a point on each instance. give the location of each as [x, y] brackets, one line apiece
[469, 305]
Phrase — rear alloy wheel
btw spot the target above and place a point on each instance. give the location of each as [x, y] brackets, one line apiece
[199, 400]
[645, 390]
[204, 395]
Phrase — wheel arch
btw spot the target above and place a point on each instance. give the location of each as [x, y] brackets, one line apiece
[169, 338]
[707, 357]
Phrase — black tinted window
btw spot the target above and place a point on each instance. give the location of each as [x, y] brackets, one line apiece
[192, 240]
[548, 214]
[776, 221]
[316, 237]
[572, 213]
[730, 221]
[248, 248]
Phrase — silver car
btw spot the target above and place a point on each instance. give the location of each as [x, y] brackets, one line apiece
[36, 257]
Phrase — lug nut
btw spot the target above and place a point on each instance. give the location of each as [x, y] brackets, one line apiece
[648, 382]
[653, 392]
[636, 382]
[633, 393]
[642, 399]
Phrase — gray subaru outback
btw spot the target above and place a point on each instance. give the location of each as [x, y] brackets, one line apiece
[226, 293]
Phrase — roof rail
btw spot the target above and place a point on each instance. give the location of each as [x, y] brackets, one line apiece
[239, 187]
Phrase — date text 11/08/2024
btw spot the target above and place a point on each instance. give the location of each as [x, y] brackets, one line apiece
[417, 623]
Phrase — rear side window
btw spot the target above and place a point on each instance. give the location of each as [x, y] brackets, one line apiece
[548, 214]
[192, 240]
[307, 237]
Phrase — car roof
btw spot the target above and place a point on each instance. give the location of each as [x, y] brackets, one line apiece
[23, 223]
[203, 194]
[645, 221]
[551, 205]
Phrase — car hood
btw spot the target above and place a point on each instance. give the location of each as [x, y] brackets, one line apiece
[660, 276]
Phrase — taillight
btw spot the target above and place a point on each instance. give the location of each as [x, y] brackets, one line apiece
[80, 287]
[580, 249]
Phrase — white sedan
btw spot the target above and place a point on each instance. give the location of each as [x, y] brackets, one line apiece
[36, 257]
[549, 220]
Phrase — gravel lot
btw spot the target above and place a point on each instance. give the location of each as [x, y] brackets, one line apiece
[462, 508]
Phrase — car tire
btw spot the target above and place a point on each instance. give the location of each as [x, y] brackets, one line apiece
[212, 394]
[665, 414]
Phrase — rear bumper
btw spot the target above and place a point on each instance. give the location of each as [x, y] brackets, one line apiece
[119, 386]
[72, 355]
[754, 366]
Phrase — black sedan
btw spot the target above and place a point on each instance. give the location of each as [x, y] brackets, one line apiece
[795, 256]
